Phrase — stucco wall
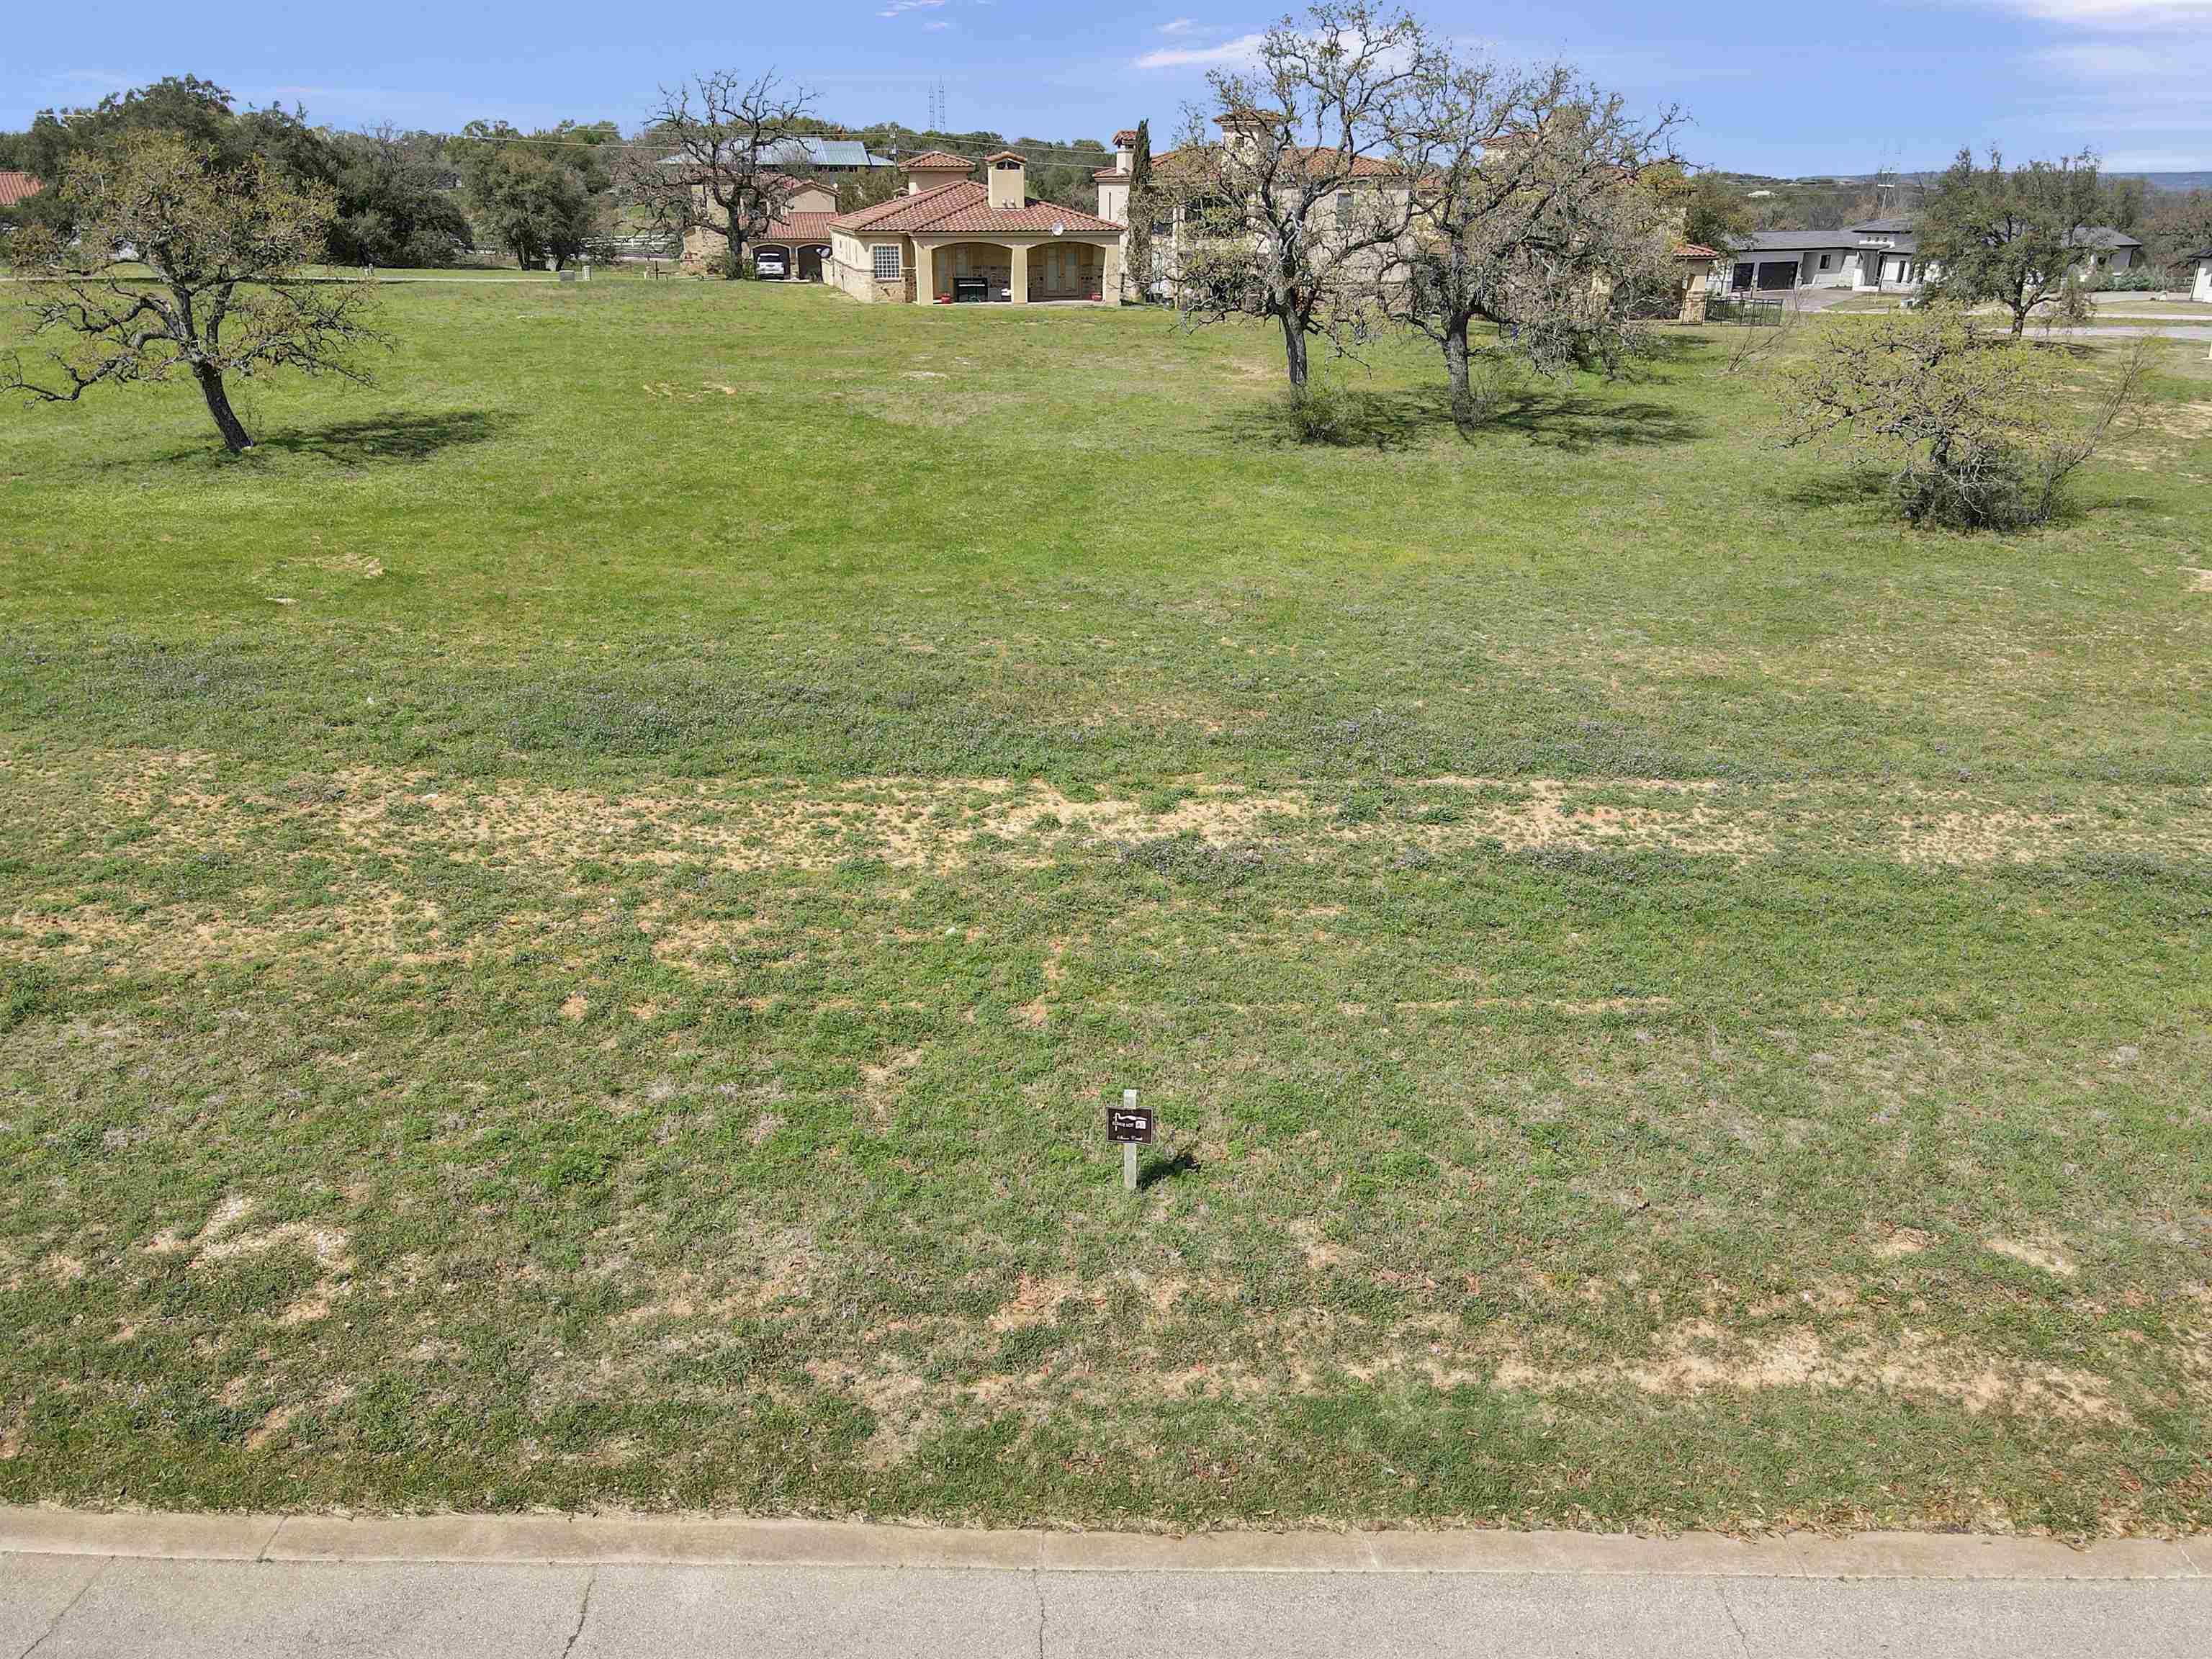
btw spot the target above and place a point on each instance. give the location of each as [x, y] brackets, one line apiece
[2203, 289]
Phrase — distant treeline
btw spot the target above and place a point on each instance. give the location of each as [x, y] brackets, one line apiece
[428, 198]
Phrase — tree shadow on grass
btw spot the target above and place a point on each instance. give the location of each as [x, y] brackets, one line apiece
[1155, 1170]
[1357, 419]
[1399, 420]
[1844, 486]
[389, 437]
[1575, 421]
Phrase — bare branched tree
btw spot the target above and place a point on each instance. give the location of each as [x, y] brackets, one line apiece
[1291, 211]
[179, 264]
[1529, 215]
[728, 157]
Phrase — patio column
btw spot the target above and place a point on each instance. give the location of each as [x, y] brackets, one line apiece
[1017, 286]
[925, 273]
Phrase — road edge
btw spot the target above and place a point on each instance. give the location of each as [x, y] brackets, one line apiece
[676, 1540]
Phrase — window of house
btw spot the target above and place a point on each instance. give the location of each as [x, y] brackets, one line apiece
[887, 262]
[1824, 259]
[1344, 212]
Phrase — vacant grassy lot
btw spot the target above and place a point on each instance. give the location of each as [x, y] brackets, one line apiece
[567, 923]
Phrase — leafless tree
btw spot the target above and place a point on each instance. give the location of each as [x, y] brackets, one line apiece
[1291, 211]
[1530, 213]
[718, 155]
[179, 264]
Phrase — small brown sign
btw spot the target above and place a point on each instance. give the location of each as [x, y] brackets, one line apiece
[1129, 1125]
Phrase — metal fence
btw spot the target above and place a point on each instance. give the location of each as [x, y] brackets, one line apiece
[1753, 310]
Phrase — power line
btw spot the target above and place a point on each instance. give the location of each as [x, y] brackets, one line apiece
[1048, 155]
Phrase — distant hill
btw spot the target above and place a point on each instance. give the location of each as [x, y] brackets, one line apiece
[2155, 181]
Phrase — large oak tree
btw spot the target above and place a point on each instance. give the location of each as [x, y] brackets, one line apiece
[719, 154]
[1531, 214]
[1289, 210]
[182, 264]
[2008, 236]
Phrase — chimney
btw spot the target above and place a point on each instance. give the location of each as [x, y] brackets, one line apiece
[1125, 150]
[932, 169]
[1241, 127]
[1009, 180]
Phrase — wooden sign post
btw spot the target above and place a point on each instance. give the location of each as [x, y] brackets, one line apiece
[1129, 1125]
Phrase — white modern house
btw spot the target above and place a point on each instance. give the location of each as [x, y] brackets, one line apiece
[2203, 290]
[1874, 256]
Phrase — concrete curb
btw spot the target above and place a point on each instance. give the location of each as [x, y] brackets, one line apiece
[641, 1541]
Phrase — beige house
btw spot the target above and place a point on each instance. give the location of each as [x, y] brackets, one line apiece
[950, 239]
[1369, 176]
[795, 244]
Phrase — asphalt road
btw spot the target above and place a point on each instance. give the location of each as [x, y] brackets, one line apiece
[64, 1607]
[543, 1588]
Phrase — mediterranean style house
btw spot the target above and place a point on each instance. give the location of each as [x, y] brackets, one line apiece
[1693, 262]
[946, 239]
[952, 240]
[794, 245]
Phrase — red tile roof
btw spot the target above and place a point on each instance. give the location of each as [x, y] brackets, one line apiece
[17, 187]
[937, 160]
[1006, 155]
[1317, 159]
[1108, 175]
[797, 227]
[1695, 250]
[1127, 136]
[879, 216]
[966, 207]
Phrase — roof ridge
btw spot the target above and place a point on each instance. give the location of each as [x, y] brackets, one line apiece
[891, 206]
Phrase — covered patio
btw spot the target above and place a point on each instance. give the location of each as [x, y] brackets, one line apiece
[1048, 270]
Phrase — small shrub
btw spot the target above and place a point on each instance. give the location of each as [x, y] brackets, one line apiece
[1975, 430]
[1316, 414]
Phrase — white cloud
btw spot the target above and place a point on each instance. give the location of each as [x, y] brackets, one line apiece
[898, 6]
[935, 24]
[1181, 26]
[2102, 60]
[1242, 50]
[2125, 13]
[2134, 66]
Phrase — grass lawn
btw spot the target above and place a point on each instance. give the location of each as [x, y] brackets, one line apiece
[569, 920]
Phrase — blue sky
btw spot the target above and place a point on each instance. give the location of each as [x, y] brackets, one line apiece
[1845, 86]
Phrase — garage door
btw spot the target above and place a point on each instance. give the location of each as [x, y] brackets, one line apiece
[1778, 273]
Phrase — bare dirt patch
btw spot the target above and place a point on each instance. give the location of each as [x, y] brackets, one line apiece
[1035, 1302]
[1698, 1355]
[881, 1085]
[221, 1238]
[940, 824]
[2033, 1255]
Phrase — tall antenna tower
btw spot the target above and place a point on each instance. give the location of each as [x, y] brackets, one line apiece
[936, 106]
